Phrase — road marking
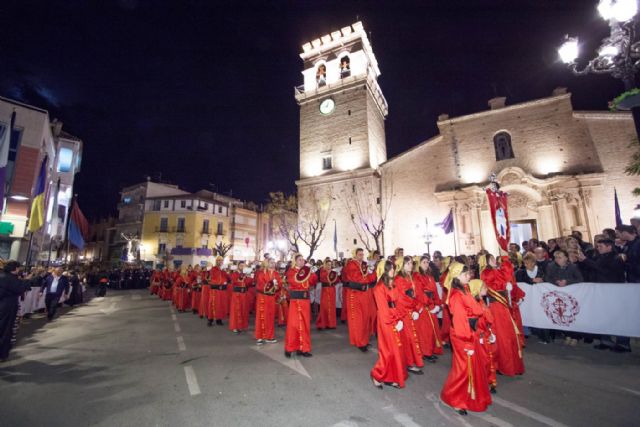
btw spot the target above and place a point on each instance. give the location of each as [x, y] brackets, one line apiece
[173, 317]
[110, 310]
[276, 353]
[401, 418]
[528, 413]
[136, 296]
[117, 298]
[181, 345]
[494, 421]
[176, 327]
[333, 334]
[192, 381]
[637, 393]
[172, 310]
[345, 423]
[437, 403]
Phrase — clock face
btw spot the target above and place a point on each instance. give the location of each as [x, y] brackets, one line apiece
[327, 106]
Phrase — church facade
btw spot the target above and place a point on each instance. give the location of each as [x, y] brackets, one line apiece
[559, 166]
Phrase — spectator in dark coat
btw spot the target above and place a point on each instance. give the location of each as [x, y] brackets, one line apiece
[55, 285]
[11, 287]
[530, 272]
[607, 267]
[560, 272]
[631, 250]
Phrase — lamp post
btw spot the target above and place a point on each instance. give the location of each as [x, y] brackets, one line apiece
[619, 53]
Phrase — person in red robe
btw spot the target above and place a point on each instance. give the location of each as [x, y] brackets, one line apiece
[218, 305]
[445, 325]
[429, 303]
[268, 283]
[238, 314]
[327, 315]
[197, 280]
[282, 304]
[410, 306]
[483, 332]
[183, 300]
[509, 359]
[298, 335]
[154, 283]
[167, 285]
[356, 278]
[390, 368]
[466, 386]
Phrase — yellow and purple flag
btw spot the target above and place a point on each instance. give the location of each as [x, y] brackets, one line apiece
[36, 218]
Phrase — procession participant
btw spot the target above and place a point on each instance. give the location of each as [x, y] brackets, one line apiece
[155, 282]
[427, 324]
[251, 290]
[390, 368]
[445, 326]
[282, 298]
[168, 285]
[498, 281]
[301, 281]
[408, 303]
[373, 311]
[238, 314]
[327, 315]
[218, 305]
[466, 387]
[11, 288]
[268, 283]
[183, 300]
[205, 295]
[356, 278]
[196, 288]
[484, 335]
[174, 287]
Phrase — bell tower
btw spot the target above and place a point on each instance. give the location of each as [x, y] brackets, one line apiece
[342, 136]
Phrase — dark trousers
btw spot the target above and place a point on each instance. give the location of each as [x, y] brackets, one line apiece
[51, 302]
[8, 312]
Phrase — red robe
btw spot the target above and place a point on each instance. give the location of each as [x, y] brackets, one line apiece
[446, 316]
[155, 282]
[183, 299]
[196, 290]
[466, 386]
[298, 334]
[427, 323]
[409, 334]
[327, 315]
[239, 313]
[266, 303]
[282, 306]
[509, 355]
[390, 366]
[218, 306]
[359, 302]
[487, 350]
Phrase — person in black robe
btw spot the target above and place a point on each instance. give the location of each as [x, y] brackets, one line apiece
[11, 287]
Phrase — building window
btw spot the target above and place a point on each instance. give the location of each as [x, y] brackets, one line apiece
[183, 203]
[502, 145]
[156, 205]
[16, 138]
[166, 204]
[349, 140]
[321, 75]
[205, 226]
[180, 227]
[126, 200]
[377, 200]
[65, 159]
[355, 241]
[345, 67]
[326, 163]
[219, 209]
[164, 224]
[220, 231]
[162, 248]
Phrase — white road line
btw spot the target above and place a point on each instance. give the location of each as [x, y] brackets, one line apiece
[528, 413]
[400, 417]
[494, 421]
[173, 317]
[437, 404]
[628, 390]
[176, 327]
[181, 345]
[192, 381]
[136, 296]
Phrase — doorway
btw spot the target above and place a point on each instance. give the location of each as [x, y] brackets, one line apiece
[523, 230]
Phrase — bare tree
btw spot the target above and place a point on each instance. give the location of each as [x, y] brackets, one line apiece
[283, 210]
[368, 202]
[313, 212]
[222, 248]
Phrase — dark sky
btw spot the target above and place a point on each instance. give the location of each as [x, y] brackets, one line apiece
[202, 91]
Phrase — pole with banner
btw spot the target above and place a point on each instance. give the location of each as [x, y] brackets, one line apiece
[499, 211]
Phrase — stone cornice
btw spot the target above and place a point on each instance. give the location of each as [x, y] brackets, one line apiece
[336, 177]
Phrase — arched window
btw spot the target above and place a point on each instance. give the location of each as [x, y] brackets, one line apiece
[502, 145]
[345, 67]
[321, 75]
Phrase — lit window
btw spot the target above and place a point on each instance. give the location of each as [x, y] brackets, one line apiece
[65, 160]
[166, 203]
[321, 75]
[345, 67]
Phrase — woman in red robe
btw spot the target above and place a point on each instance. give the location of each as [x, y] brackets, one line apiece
[238, 315]
[498, 280]
[484, 334]
[390, 368]
[427, 323]
[268, 283]
[410, 306]
[298, 334]
[218, 302]
[466, 387]
[446, 318]
[196, 288]
[155, 283]
[327, 315]
[183, 300]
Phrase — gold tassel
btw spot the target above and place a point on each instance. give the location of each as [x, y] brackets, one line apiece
[470, 389]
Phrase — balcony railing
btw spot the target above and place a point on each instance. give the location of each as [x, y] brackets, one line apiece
[205, 231]
[171, 230]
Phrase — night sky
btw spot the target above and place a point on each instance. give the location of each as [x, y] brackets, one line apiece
[201, 92]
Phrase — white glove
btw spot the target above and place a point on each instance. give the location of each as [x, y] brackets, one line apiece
[509, 286]
[481, 341]
[492, 339]
[415, 315]
[421, 310]
[435, 310]
[469, 352]
[399, 325]
[520, 302]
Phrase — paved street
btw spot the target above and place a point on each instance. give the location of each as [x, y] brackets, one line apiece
[131, 360]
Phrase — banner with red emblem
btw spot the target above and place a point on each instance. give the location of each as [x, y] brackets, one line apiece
[499, 217]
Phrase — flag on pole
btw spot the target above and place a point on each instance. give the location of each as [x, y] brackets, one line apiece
[335, 237]
[447, 223]
[78, 227]
[36, 218]
[617, 208]
[5, 144]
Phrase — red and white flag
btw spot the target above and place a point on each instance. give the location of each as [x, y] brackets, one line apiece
[500, 217]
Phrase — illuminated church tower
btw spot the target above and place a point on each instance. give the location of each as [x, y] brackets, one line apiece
[342, 137]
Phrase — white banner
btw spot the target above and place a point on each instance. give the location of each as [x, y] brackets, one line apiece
[597, 308]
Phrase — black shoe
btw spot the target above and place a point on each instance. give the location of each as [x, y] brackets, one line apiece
[602, 347]
[376, 384]
[364, 348]
[321, 329]
[209, 322]
[287, 354]
[194, 311]
[431, 359]
[219, 322]
[461, 411]
[299, 352]
[493, 390]
[306, 354]
[620, 349]
[416, 371]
